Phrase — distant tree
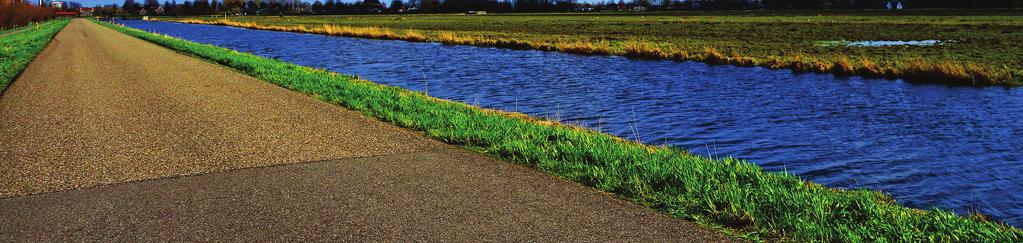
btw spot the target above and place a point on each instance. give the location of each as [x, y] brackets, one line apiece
[281, 7]
[430, 5]
[396, 6]
[130, 7]
[667, 4]
[20, 13]
[318, 7]
[564, 5]
[187, 8]
[330, 7]
[73, 6]
[505, 6]
[178, 10]
[216, 6]
[108, 10]
[201, 7]
[151, 5]
[250, 7]
[233, 6]
[168, 7]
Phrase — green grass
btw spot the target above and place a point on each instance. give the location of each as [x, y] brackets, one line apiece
[986, 47]
[728, 193]
[29, 25]
[18, 49]
[5, 31]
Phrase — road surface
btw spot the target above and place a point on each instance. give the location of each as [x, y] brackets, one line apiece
[109, 138]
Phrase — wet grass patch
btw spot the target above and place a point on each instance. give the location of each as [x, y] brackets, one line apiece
[725, 193]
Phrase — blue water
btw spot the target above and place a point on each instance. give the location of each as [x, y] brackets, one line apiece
[928, 145]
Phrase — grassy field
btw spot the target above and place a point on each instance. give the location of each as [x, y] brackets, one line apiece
[5, 31]
[734, 195]
[981, 47]
[18, 49]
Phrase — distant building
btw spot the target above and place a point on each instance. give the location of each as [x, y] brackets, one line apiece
[56, 4]
[894, 5]
[86, 12]
[373, 6]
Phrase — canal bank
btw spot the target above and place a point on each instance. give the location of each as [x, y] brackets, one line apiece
[132, 141]
[724, 192]
[592, 35]
[925, 145]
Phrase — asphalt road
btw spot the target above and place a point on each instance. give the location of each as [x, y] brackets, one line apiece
[109, 138]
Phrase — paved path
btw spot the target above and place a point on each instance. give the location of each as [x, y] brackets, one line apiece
[107, 137]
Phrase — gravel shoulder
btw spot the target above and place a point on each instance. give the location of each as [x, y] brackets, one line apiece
[106, 137]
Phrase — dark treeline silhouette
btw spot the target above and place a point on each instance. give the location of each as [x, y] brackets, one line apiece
[238, 7]
[17, 13]
[325, 7]
[879, 4]
[70, 6]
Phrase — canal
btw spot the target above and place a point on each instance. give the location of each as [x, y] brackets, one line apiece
[958, 148]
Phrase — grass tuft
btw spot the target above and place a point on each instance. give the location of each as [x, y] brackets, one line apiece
[842, 66]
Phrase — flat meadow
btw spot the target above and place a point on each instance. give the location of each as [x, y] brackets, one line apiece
[979, 47]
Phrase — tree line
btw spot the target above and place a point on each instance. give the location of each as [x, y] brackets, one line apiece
[296, 7]
[17, 13]
[880, 4]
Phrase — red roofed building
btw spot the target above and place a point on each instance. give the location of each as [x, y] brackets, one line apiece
[86, 12]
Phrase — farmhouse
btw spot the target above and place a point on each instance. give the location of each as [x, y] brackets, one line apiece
[373, 6]
[86, 12]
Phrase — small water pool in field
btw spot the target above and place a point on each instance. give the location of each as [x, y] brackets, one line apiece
[881, 43]
[958, 148]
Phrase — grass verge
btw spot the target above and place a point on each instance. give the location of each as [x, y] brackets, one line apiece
[18, 49]
[979, 50]
[719, 192]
